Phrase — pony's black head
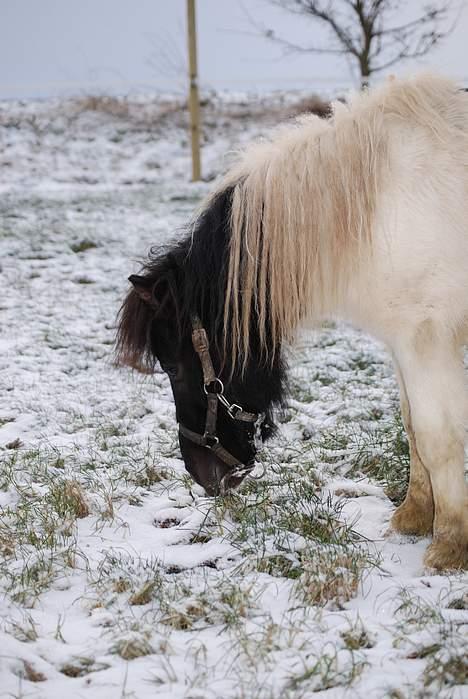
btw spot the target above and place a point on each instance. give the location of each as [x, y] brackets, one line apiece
[186, 282]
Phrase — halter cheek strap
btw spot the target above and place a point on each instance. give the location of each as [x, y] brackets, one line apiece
[214, 390]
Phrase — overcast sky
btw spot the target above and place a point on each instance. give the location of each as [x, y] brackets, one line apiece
[50, 47]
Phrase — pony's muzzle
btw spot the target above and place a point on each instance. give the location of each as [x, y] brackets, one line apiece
[209, 471]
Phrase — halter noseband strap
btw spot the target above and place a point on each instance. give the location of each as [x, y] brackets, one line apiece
[214, 390]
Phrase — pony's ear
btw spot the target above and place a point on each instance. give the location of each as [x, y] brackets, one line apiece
[157, 295]
[142, 286]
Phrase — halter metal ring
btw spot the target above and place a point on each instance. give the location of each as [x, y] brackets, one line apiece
[215, 382]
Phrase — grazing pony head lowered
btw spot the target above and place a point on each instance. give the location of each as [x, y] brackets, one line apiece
[180, 294]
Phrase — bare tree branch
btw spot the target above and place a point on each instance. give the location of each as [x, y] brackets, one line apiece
[363, 31]
[289, 46]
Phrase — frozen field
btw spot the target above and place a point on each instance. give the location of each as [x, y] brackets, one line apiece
[118, 577]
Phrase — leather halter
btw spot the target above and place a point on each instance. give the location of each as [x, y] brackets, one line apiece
[214, 390]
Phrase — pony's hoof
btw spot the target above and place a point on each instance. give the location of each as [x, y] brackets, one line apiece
[447, 554]
[412, 518]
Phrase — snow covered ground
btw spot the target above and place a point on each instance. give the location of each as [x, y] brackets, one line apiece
[118, 577]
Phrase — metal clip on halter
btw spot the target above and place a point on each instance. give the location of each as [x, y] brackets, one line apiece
[233, 409]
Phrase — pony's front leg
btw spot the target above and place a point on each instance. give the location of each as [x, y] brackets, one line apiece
[416, 514]
[433, 374]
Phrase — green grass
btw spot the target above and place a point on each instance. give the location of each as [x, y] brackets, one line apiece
[327, 671]
[83, 245]
[378, 450]
[285, 526]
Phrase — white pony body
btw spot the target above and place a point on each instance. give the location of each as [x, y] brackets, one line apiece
[365, 217]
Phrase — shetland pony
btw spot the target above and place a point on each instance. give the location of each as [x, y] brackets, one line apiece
[364, 217]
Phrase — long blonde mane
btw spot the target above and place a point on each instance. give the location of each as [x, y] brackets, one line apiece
[304, 204]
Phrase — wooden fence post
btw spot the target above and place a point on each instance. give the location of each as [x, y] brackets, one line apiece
[194, 102]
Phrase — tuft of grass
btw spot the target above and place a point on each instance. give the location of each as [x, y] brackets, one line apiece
[357, 637]
[200, 538]
[144, 594]
[68, 498]
[121, 585]
[424, 651]
[183, 618]
[414, 613]
[7, 542]
[447, 668]
[383, 454]
[15, 444]
[228, 604]
[80, 667]
[459, 602]
[149, 469]
[327, 671]
[235, 603]
[83, 245]
[24, 631]
[280, 566]
[31, 674]
[331, 575]
[58, 463]
[84, 280]
[119, 572]
[132, 645]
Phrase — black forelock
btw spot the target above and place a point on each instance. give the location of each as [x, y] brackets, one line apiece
[194, 269]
